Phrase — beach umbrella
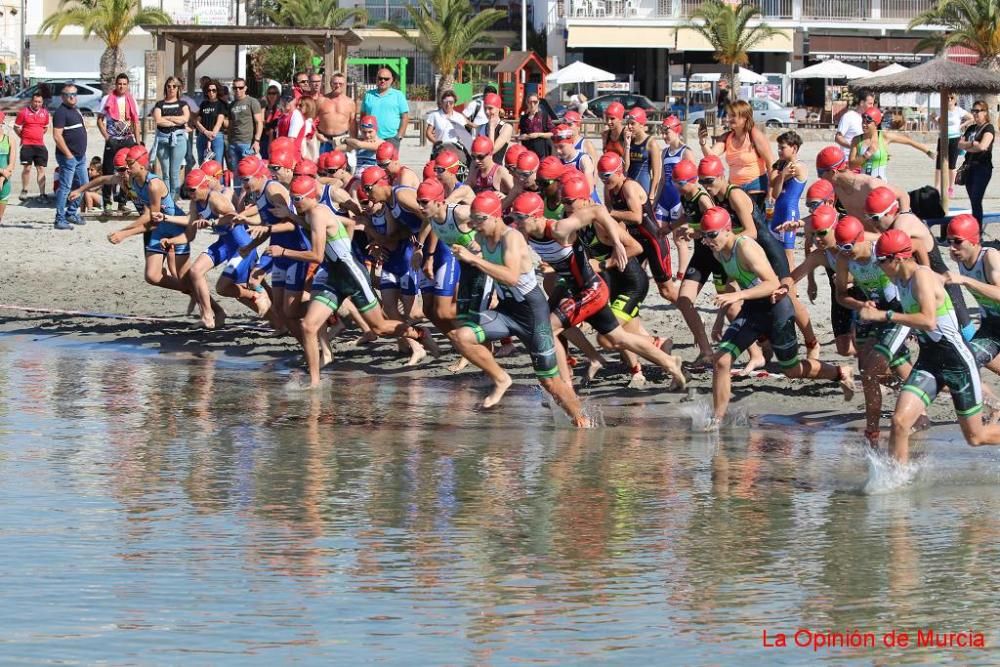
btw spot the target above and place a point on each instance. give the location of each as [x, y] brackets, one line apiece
[935, 76]
[578, 72]
[894, 68]
[830, 69]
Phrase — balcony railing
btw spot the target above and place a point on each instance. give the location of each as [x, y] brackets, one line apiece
[771, 10]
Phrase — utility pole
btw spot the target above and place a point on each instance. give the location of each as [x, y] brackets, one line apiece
[524, 25]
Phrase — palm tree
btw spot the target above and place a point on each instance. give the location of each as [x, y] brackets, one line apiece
[974, 24]
[447, 31]
[110, 20]
[727, 28]
[314, 14]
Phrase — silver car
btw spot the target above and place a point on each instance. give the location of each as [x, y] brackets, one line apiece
[770, 113]
[88, 98]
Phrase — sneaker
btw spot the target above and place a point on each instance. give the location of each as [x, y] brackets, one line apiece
[23, 196]
[75, 220]
[63, 225]
[107, 209]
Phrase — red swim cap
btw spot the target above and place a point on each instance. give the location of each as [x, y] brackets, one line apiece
[551, 168]
[306, 167]
[610, 163]
[824, 217]
[881, 201]
[283, 158]
[373, 175]
[249, 166]
[448, 160]
[614, 110]
[821, 190]
[528, 204]
[849, 230]
[482, 146]
[562, 134]
[831, 158]
[386, 153]
[212, 168]
[964, 227]
[431, 189]
[716, 219]
[711, 167]
[303, 186]
[685, 171]
[575, 188]
[138, 154]
[527, 161]
[488, 203]
[637, 115]
[195, 179]
[120, 155]
[514, 151]
[893, 243]
[673, 123]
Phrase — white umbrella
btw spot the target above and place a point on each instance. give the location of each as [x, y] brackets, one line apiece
[831, 69]
[578, 72]
[894, 68]
[746, 76]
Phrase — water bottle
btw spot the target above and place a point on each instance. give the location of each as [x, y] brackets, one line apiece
[769, 209]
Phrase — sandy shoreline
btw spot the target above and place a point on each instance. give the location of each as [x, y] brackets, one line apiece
[79, 270]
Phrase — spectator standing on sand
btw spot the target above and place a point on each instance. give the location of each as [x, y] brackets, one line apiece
[246, 125]
[212, 114]
[849, 125]
[70, 137]
[31, 124]
[389, 106]
[118, 123]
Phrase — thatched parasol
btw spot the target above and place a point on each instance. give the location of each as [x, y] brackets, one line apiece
[935, 76]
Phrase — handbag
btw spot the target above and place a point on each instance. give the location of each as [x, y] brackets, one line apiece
[962, 175]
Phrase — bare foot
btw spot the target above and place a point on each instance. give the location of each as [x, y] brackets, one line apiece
[207, 322]
[679, 380]
[847, 382]
[703, 363]
[593, 368]
[505, 350]
[365, 338]
[261, 303]
[812, 352]
[756, 362]
[417, 353]
[713, 425]
[583, 421]
[499, 389]
[637, 381]
[871, 439]
[458, 365]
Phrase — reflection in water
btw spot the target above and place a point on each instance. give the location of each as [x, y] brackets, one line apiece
[203, 510]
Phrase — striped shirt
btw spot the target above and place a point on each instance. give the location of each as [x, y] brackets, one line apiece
[74, 133]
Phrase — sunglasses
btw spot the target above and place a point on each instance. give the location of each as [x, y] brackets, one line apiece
[479, 218]
[875, 217]
[867, 120]
[822, 232]
[121, 170]
[845, 247]
[384, 163]
[520, 217]
[302, 82]
[523, 174]
[273, 167]
[955, 241]
[385, 78]
[711, 235]
[328, 172]
[686, 181]
[239, 87]
[439, 170]
[706, 181]
[69, 94]
[245, 179]
[480, 157]
[545, 182]
[172, 85]
[215, 90]
[298, 198]
[423, 202]
[974, 110]
[813, 205]
[369, 188]
[882, 259]
[605, 175]
[448, 101]
[270, 92]
[367, 126]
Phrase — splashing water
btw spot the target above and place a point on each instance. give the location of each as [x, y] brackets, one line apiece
[886, 475]
[701, 413]
[593, 413]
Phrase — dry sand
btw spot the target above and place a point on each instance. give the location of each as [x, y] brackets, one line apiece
[79, 270]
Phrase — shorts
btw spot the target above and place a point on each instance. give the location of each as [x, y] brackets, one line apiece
[704, 264]
[165, 231]
[446, 272]
[842, 318]
[668, 216]
[985, 344]
[335, 282]
[238, 268]
[760, 319]
[228, 245]
[529, 321]
[628, 290]
[589, 304]
[947, 365]
[289, 274]
[890, 340]
[952, 153]
[36, 155]
[786, 239]
[396, 271]
[655, 250]
[475, 291]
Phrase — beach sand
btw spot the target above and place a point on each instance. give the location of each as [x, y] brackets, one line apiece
[81, 272]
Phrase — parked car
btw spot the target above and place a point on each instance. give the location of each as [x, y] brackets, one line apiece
[769, 113]
[88, 98]
[628, 100]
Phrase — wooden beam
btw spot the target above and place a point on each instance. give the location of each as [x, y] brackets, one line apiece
[329, 56]
[312, 44]
[209, 51]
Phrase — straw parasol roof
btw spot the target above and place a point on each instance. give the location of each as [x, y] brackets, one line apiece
[931, 77]
[935, 76]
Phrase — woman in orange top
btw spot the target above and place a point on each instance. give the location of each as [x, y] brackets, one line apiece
[746, 151]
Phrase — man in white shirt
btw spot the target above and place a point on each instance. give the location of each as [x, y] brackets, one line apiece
[475, 111]
[445, 125]
[850, 122]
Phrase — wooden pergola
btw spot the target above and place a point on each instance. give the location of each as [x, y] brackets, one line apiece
[194, 43]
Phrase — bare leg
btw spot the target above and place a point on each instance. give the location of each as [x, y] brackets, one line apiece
[567, 399]
[645, 348]
[155, 275]
[722, 387]
[464, 340]
[685, 303]
[683, 252]
[199, 288]
[909, 407]
[291, 308]
[310, 326]
[576, 337]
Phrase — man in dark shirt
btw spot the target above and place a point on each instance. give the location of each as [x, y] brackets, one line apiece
[211, 114]
[70, 137]
[535, 127]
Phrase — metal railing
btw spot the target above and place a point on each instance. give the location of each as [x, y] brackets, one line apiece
[772, 10]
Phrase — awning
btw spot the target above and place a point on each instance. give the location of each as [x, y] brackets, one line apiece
[651, 37]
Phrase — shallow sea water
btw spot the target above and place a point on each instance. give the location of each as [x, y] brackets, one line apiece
[187, 510]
